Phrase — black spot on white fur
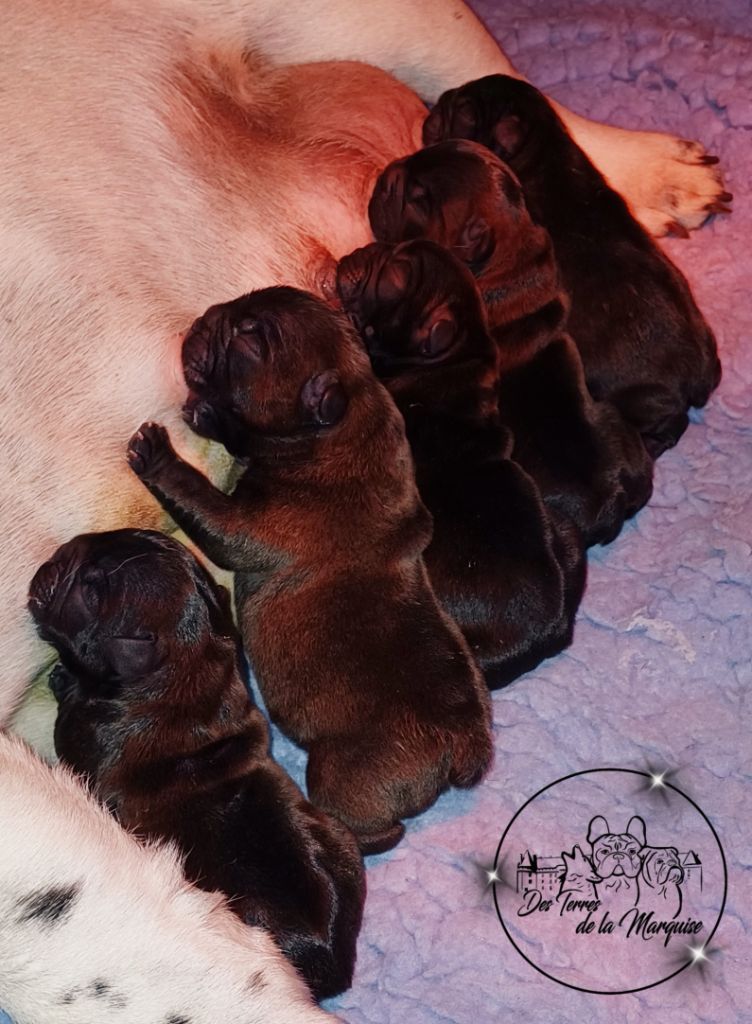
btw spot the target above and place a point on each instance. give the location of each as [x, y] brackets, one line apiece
[256, 982]
[48, 906]
[98, 989]
[176, 1019]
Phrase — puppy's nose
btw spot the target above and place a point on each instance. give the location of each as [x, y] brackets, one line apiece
[350, 274]
[392, 182]
[43, 587]
[197, 346]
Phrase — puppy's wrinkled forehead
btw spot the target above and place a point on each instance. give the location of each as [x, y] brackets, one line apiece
[421, 273]
[278, 327]
[127, 559]
[461, 166]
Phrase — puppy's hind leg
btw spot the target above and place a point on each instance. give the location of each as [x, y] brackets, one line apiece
[346, 778]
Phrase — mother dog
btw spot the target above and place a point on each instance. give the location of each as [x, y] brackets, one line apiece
[162, 155]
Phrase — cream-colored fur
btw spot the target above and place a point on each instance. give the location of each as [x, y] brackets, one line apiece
[136, 944]
[161, 155]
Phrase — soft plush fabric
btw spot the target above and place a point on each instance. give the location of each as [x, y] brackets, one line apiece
[661, 658]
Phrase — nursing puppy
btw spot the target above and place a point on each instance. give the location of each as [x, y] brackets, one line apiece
[153, 710]
[587, 462]
[95, 926]
[644, 343]
[510, 579]
[660, 881]
[325, 532]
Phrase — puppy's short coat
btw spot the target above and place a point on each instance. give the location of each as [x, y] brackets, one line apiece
[587, 462]
[644, 343]
[500, 566]
[153, 710]
[325, 532]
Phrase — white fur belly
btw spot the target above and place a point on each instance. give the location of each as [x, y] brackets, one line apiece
[135, 191]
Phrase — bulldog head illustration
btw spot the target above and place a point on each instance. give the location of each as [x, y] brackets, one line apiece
[616, 854]
[661, 879]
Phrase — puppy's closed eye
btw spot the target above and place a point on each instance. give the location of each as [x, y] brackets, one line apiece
[92, 580]
[464, 120]
[249, 339]
[508, 135]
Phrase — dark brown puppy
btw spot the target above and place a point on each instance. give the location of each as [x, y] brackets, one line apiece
[586, 460]
[325, 532]
[154, 710]
[644, 343]
[510, 578]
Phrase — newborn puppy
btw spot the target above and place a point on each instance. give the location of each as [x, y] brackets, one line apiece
[586, 460]
[325, 532]
[617, 862]
[643, 341]
[661, 879]
[154, 710]
[510, 579]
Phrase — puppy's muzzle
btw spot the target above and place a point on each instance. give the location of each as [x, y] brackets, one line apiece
[433, 126]
[387, 203]
[351, 275]
[199, 353]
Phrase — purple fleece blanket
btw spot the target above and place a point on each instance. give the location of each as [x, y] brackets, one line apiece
[658, 674]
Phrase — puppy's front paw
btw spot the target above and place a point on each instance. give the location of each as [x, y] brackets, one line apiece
[149, 449]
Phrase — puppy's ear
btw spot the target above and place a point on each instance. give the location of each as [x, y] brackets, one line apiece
[131, 656]
[216, 598]
[598, 827]
[508, 136]
[636, 829]
[476, 241]
[323, 399]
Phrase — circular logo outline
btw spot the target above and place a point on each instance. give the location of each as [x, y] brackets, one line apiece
[595, 991]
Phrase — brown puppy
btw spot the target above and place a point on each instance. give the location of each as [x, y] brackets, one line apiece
[586, 460]
[644, 343]
[510, 578]
[153, 708]
[325, 532]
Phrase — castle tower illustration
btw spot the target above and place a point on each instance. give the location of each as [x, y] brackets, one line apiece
[541, 873]
[692, 868]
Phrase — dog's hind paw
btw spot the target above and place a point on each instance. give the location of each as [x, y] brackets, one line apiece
[672, 185]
